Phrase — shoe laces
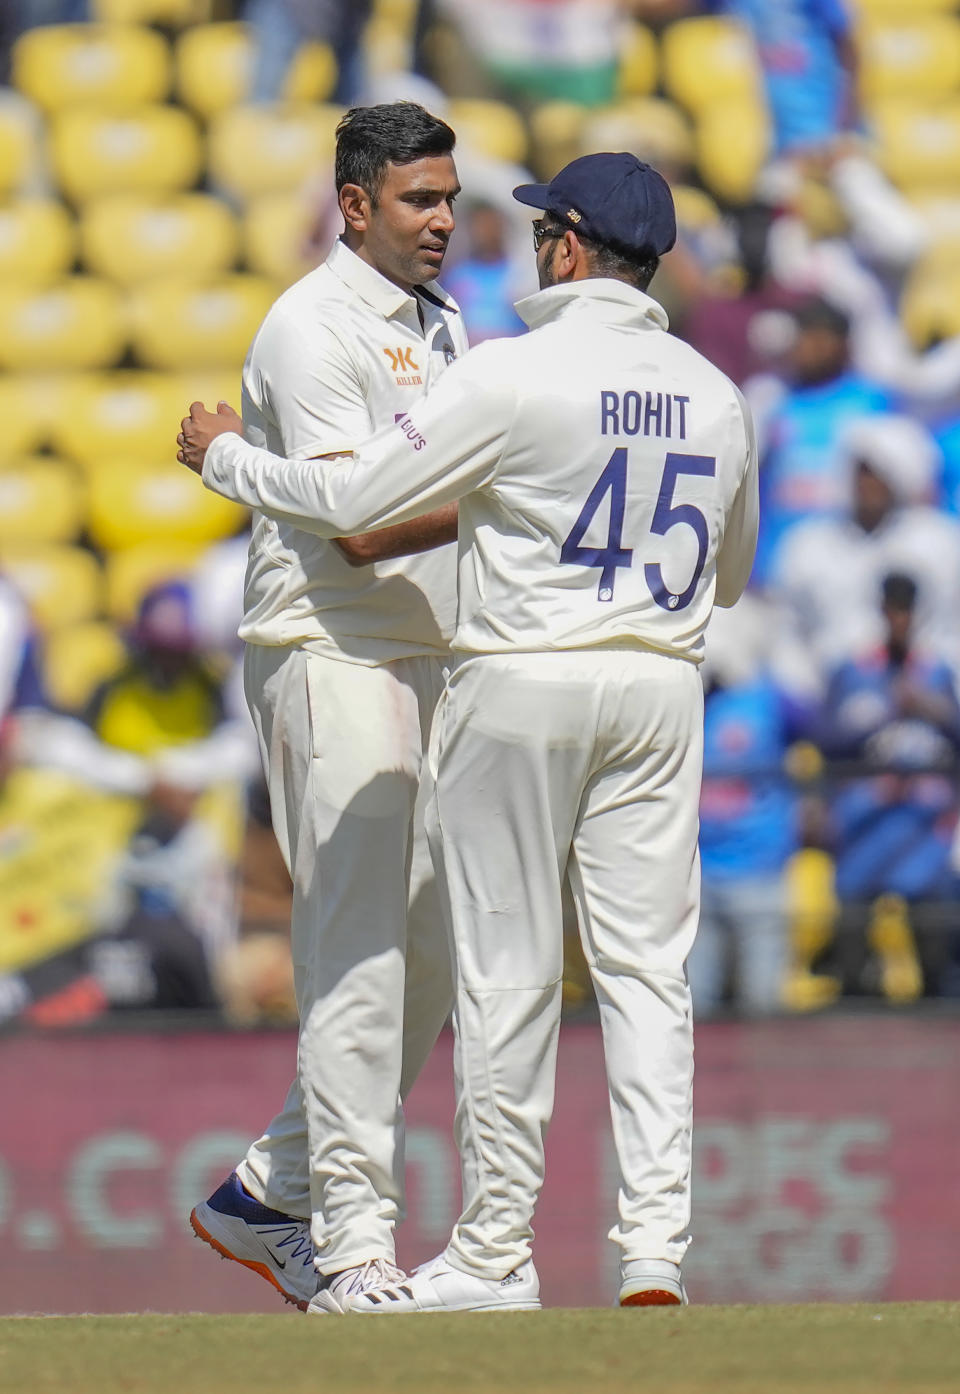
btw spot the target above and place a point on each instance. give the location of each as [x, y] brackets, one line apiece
[375, 1273]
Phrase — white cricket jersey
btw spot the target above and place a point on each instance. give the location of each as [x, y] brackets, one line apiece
[339, 356]
[607, 475]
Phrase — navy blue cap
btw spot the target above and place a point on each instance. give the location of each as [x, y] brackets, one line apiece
[614, 199]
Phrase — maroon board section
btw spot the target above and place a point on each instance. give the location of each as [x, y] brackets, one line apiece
[827, 1165]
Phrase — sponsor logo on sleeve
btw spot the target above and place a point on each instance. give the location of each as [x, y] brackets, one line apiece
[409, 430]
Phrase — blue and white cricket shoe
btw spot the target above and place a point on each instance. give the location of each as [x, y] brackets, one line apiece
[651, 1282]
[439, 1287]
[275, 1245]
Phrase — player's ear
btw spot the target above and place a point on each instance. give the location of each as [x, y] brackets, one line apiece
[355, 206]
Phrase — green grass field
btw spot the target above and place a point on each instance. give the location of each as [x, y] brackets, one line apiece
[866, 1349]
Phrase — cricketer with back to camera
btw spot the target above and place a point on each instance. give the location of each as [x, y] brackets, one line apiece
[607, 483]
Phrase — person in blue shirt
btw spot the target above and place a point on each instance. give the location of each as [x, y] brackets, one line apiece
[808, 57]
[482, 283]
[748, 820]
[895, 713]
[947, 436]
[802, 473]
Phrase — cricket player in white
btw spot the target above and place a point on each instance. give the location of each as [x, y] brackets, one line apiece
[346, 643]
[607, 479]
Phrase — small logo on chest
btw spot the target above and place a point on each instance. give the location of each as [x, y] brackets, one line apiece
[406, 370]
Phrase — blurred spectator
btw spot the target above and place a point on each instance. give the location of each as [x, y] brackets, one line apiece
[21, 685]
[483, 284]
[895, 711]
[281, 26]
[749, 329]
[809, 60]
[828, 570]
[947, 434]
[827, 265]
[748, 820]
[801, 475]
[159, 731]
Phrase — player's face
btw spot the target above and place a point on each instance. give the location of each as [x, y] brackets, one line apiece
[405, 234]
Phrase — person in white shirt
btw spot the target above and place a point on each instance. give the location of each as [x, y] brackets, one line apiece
[607, 479]
[829, 571]
[346, 639]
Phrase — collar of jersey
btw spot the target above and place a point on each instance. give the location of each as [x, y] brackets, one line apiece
[613, 301]
[385, 297]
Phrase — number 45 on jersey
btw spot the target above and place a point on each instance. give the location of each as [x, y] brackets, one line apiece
[666, 515]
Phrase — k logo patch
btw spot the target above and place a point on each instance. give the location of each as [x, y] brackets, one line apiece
[401, 360]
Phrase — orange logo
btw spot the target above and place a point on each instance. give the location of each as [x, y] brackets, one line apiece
[402, 360]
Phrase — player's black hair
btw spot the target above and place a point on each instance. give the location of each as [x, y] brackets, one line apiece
[899, 591]
[620, 263]
[395, 133]
[816, 313]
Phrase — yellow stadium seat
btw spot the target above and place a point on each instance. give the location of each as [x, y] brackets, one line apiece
[555, 136]
[893, 9]
[131, 240]
[130, 504]
[112, 67]
[172, 14]
[20, 131]
[215, 67]
[918, 146]
[78, 658]
[732, 143]
[42, 499]
[313, 74]
[695, 208]
[275, 228]
[214, 62]
[492, 128]
[708, 60]
[655, 130]
[37, 241]
[78, 323]
[26, 407]
[180, 325]
[117, 416]
[132, 571]
[910, 58]
[155, 150]
[639, 63]
[271, 149]
[62, 585]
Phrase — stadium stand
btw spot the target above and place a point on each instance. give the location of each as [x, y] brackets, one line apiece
[38, 241]
[150, 210]
[133, 240]
[106, 67]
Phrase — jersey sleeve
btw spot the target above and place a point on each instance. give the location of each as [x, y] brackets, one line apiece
[312, 392]
[739, 545]
[448, 445]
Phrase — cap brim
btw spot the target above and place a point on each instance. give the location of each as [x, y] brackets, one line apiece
[534, 195]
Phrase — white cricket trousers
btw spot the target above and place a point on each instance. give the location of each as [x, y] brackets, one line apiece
[586, 761]
[343, 747]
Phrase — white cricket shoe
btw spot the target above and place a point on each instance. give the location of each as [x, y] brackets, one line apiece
[651, 1282]
[337, 1290]
[439, 1287]
[269, 1242]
